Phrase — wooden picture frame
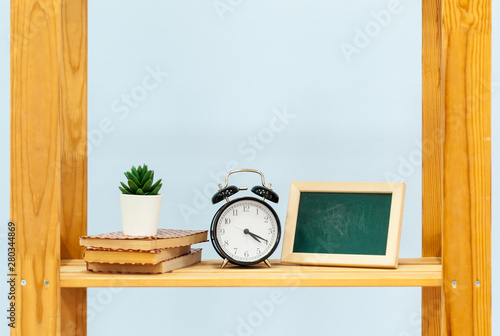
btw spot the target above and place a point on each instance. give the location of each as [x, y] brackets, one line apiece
[361, 224]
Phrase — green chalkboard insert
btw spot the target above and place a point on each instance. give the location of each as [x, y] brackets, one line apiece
[342, 223]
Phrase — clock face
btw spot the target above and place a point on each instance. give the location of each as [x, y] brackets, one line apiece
[246, 231]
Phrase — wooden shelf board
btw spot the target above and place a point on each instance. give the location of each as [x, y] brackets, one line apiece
[415, 272]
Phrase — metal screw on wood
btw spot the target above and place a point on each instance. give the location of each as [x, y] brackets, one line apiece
[46, 282]
[454, 284]
[23, 282]
[478, 283]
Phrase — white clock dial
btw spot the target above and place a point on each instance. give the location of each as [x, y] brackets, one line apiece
[247, 231]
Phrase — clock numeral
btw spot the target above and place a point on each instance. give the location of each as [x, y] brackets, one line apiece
[235, 212]
[257, 210]
[226, 243]
[246, 254]
[222, 231]
[266, 219]
[258, 251]
[270, 230]
[246, 208]
[235, 250]
[227, 220]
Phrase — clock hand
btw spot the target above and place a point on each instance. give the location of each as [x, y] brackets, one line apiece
[257, 236]
[246, 231]
[239, 227]
[257, 239]
[253, 235]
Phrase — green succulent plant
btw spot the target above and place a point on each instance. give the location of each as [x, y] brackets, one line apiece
[140, 182]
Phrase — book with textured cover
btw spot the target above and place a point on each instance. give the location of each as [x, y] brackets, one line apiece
[165, 238]
[124, 256]
[163, 267]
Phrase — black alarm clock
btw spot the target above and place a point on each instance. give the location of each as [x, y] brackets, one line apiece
[245, 231]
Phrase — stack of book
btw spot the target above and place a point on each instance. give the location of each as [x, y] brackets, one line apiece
[117, 253]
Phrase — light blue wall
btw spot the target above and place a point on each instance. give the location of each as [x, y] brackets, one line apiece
[324, 101]
[353, 115]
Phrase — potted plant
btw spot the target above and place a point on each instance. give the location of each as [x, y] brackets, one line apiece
[140, 202]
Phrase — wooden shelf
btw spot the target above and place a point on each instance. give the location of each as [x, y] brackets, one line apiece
[49, 140]
[419, 272]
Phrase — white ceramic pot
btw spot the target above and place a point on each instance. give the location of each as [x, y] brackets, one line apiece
[140, 214]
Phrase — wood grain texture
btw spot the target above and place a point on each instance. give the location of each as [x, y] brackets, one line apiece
[73, 154]
[432, 157]
[35, 165]
[431, 311]
[415, 272]
[432, 130]
[467, 167]
[73, 311]
[73, 126]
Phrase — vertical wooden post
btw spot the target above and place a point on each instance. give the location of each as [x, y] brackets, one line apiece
[35, 164]
[432, 157]
[466, 84]
[73, 156]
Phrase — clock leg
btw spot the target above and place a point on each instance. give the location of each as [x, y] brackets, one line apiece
[224, 263]
[267, 263]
